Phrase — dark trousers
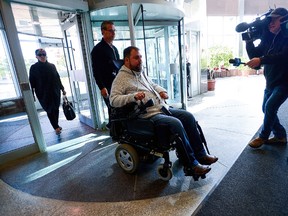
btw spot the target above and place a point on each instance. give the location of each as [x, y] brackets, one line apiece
[53, 117]
[184, 124]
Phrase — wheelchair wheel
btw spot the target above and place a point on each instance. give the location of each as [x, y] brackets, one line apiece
[164, 173]
[127, 158]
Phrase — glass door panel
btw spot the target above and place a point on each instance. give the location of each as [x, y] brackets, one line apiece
[161, 46]
[193, 58]
[55, 55]
[122, 39]
[80, 96]
[8, 82]
[15, 130]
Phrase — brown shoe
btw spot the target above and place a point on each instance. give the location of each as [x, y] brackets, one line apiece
[258, 142]
[207, 160]
[276, 140]
[198, 170]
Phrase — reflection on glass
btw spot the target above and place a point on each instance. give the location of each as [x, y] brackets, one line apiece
[8, 82]
[37, 20]
[162, 49]
[77, 73]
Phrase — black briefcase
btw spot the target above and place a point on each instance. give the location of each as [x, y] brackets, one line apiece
[68, 109]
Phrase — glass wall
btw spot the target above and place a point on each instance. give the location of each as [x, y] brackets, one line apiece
[120, 18]
[122, 39]
[38, 21]
[162, 50]
[8, 81]
[221, 30]
[35, 27]
[157, 35]
[13, 116]
[55, 54]
[76, 68]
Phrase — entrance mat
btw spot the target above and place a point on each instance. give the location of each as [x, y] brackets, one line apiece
[256, 184]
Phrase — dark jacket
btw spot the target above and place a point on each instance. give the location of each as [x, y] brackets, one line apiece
[45, 79]
[104, 70]
[274, 56]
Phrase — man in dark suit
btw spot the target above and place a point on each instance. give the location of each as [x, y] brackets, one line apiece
[103, 55]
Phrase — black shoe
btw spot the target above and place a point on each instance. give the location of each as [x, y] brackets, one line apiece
[108, 126]
[198, 170]
[207, 160]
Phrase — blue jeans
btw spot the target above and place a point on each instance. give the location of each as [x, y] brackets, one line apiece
[273, 99]
[183, 123]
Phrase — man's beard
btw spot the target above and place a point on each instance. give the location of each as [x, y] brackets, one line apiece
[137, 68]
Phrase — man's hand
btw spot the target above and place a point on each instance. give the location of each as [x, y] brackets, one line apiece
[63, 92]
[254, 63]
[164, 95]
[139, 96]
[104, 93]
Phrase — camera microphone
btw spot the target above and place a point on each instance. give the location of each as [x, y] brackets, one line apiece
[236, 62]
[241, 27]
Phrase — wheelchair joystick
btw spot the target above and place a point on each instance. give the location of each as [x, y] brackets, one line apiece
[149, 103]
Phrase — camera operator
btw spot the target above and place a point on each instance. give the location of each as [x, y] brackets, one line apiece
[272, 53]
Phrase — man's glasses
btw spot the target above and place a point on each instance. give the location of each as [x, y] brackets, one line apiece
[111, 30]
[42, 54]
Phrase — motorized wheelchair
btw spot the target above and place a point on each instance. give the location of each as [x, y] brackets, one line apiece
[138, 140]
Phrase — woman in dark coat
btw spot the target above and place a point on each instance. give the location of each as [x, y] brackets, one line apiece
[45, 82]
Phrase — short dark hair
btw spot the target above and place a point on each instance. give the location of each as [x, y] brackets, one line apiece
[127, 51]
[105, 23]
[37, 51]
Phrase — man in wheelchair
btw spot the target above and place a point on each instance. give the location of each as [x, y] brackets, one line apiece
[132, 85]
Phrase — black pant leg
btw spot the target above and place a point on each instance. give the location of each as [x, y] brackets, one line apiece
[53, 117]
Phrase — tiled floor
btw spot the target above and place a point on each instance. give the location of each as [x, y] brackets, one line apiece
[81, 176]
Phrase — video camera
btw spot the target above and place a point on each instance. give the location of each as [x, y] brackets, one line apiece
[255, 29]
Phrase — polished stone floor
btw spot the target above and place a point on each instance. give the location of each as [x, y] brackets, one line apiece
[80, 176]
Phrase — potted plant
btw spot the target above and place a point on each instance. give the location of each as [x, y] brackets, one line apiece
[218, 58]
[211, 79]
[206, 73]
